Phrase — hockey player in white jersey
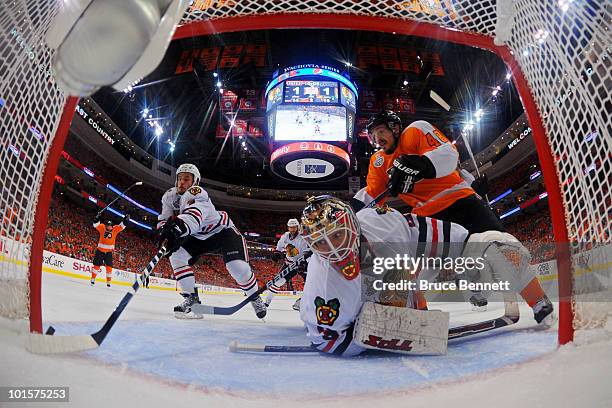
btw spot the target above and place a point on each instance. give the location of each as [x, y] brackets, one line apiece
[333, 297]
[192, 226]
[290, 246]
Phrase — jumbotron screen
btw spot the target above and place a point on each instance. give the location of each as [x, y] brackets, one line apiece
[311, 103]
[310, 122]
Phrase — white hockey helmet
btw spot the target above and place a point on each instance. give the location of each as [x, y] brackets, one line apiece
[331, 228]
[188, 168]
[293, 222]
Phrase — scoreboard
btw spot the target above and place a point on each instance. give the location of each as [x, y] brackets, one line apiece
[309, 103]
[311, 92]
[310, 117]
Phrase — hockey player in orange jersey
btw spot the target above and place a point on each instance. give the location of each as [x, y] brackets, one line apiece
[106, 244]
[420, 166]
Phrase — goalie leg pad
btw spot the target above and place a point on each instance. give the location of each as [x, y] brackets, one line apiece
[402, 330]
[506, 258]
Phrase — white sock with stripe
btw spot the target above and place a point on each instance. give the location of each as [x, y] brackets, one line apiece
[242, 274]
[185, 278]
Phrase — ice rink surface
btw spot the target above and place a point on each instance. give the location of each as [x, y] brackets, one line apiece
[153, 359]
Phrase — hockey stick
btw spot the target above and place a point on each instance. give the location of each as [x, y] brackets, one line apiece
[138, 183]
[287, 272]
[433, 95]
[377, 199]
[236, 347]
[48, 343]
[437, 98]
[510, 317]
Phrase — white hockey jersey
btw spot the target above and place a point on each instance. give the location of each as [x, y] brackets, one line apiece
[330, 304]
[292, 247]
[196, 210]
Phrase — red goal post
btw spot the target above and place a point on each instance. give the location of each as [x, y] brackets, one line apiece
[541, 71]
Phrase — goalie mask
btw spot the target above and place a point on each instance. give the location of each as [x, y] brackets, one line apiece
[331, 229]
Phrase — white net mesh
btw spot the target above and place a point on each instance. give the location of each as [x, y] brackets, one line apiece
[561, 47]
[29, 114]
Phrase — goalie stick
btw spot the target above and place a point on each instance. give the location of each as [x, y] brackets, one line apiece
[48, 343]
[510, 317]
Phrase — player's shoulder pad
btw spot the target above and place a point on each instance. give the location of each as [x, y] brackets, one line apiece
[422, 125]
[195, 190]
[382, 209]
[368, 215]
[198, 193]
[377, 160]
[169, 192]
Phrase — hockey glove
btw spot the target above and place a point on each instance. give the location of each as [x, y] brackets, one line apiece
[97, 219]
[406, 170]
[481, 185]
[276, 256]
[303, 262]
[173, 231]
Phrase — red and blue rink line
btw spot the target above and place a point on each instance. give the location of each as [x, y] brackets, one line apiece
[150, 342]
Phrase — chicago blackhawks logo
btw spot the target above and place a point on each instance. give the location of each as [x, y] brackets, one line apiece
[291, 250]
[382, 209]
[195, 190]
[327, 312]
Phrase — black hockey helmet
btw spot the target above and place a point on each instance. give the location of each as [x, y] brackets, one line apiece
[386, 117]
[109, 224]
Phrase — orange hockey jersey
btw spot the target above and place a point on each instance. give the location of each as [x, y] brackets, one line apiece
[107, 239]
[429, 195]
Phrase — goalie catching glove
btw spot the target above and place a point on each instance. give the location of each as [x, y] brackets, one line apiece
[172, 232]
[406, 170]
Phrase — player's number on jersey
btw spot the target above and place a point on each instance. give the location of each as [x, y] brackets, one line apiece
[436, 139]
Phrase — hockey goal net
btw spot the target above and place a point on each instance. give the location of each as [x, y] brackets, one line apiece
[556, 50]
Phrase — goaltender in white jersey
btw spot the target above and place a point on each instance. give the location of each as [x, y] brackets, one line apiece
[335, 292]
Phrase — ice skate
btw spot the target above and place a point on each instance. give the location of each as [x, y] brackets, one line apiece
[543, 313]
[183, 311]
[479, 302]
[260, 307]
